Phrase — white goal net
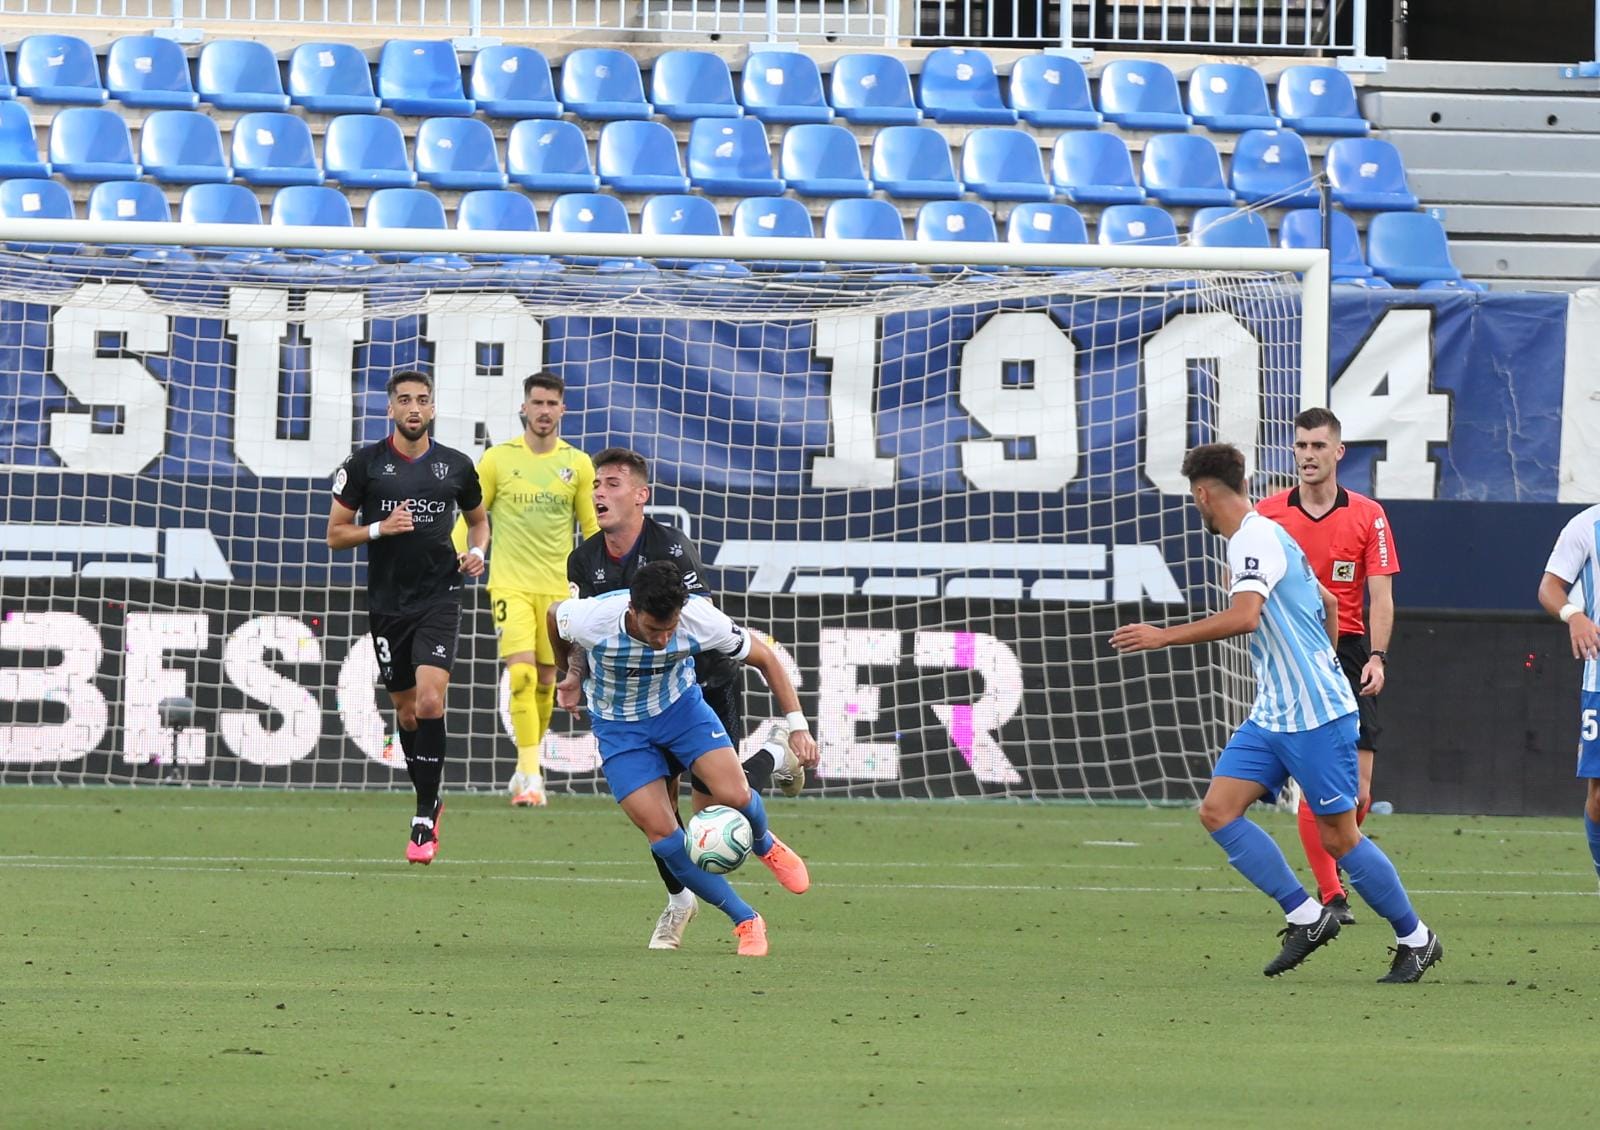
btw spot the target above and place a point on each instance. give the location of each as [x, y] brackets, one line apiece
[938, 489]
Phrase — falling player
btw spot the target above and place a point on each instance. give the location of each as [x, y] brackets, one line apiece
[1303, 723]
[1347, 539]
[1576, 558]
[607, 562]
[653, 723]
[407, 489]
[536, 488]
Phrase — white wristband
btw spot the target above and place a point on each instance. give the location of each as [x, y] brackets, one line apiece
[797, 722]
[476, 551]
[1569, 611]
[375, 531]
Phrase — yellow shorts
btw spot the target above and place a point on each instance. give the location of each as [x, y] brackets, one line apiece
[520, 622]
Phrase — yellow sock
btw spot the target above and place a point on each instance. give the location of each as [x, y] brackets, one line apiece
[545, 701]
[525, 719]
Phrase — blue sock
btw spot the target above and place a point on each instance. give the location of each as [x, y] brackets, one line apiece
[714, 889]
[756, 813]
[1378, 884]
[1258, 858]
[1593, 830]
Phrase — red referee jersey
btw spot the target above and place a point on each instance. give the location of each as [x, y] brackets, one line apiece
[1345, 546]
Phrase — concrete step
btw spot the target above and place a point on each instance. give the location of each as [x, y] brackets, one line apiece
[1407, 109]
[1406, 74]
[1504, 186]
[1520, 222]
[1497, 149]
[1533, 259]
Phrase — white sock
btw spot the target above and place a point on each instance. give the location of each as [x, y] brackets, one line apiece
[533, 781]
[1417, 938]
[681, 900]
[1306, 914]
[423, 820]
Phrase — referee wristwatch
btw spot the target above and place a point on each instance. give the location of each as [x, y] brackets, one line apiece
[1383, 655]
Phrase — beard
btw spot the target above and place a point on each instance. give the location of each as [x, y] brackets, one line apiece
[411, 434]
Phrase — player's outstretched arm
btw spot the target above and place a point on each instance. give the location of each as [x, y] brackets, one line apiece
[1554, 598]
[1240, 619]
[344, 533]
[765, 660]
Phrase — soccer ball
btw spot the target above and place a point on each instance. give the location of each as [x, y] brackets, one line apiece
[719, 839]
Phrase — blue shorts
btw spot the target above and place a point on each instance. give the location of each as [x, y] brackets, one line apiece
[633, 754]
[1322, 760]
[1589, 734]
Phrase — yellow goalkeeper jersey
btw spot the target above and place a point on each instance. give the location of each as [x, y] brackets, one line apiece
[533, 502]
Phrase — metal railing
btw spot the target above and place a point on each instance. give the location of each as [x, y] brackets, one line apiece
[1210, 25]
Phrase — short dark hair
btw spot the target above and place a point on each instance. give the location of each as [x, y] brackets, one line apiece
[407, 376]
[658, 590]
[1220, 461]
[1319, 418]
[544, 378]
[624, 457]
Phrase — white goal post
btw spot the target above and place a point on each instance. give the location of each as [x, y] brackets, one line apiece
[938, 487]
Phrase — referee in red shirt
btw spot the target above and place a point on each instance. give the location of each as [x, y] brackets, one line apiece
[1347, 539]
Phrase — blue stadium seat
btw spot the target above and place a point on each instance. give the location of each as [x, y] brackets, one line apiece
[7, 88]
[1094, 167]
[513, 82]
[604, 84]
[1184, 169]
[241, 74]
[1046, 223]
[731, 157]
[955, 221]
[305, 205]
[1320, 100]
[422, 77]
[458, 153]
[274, 148]
[1004, 164]
[366, 151]
[1137, 223]
[219, 204]
[823, 160]
[332, 78]
[685, 85]
[1411, 248]
[1141, 94]
[23, 198]
[1052, 92]
[679, 215]
[639, 157]
[781, 217]
[146, 70]
[404, 208]
[873, 90]
[182, 147]
[90, 143]
[914, 162]
[1368, 175]
[784, 86]
[1272, 166]
[863, 219]
[958, 84]
[129, 200]
[496, 209]
[1229, 98]
[550, 156]
[1228, 227]
[59, 68]
[1303, 228]
[19, 152]
[588, 212]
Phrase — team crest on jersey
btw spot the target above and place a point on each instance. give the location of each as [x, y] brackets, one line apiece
[440, 470]
[1344, 570]
[567, 474]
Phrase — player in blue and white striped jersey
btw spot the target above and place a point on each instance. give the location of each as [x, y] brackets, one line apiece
[652, 723]
[1303, 723]
[1569, 578]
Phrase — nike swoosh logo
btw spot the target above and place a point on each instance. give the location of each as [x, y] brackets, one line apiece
[1316, 932]
[719, 733]
[1331, 799]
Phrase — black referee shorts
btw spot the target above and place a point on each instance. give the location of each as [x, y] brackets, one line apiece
[1353, 656]
[406, 641]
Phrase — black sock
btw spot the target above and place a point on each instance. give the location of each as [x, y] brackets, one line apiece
[427, 764]
[673, 886]
[408, 747]
[758, 770]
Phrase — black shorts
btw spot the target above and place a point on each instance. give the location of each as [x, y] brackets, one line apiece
[1353, 656]
[726, 700]
[406, 641]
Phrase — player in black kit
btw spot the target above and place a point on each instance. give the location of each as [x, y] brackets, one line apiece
[607, 562]
[407, 490]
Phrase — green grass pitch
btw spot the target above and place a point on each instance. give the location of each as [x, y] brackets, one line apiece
[211, 959]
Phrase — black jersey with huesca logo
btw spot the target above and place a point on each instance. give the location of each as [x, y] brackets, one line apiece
[410, 571]
[591, 571]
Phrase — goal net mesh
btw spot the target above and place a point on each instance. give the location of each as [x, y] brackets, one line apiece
[938, 490]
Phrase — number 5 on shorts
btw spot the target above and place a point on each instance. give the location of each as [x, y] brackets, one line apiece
[1591, 725]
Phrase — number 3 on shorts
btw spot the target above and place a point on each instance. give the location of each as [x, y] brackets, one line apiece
[382, 645]
[499, 617]
[1591, 725]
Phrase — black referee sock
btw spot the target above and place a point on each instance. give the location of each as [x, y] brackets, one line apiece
[426, 763]
[674, 886]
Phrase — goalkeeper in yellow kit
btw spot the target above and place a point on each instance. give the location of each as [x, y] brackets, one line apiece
[536, 488]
